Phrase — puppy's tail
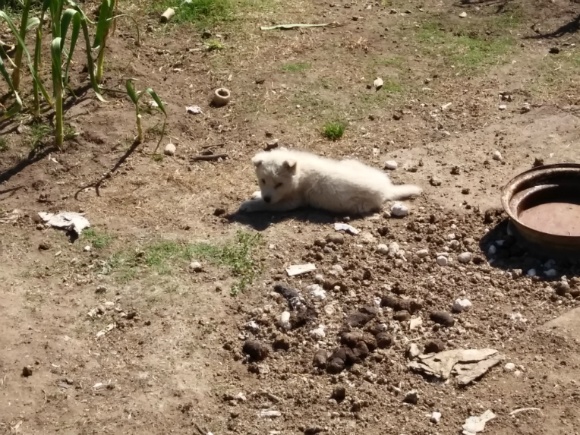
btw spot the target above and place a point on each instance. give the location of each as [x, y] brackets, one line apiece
[401, 191]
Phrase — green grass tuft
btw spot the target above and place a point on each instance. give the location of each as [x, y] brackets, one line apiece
[97, 239]
[334, 130]
[295, 67]
[199, 12]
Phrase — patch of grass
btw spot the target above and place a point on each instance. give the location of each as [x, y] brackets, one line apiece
[38, 134]
[199, 12]
[334, 130]
[214, 45]
[465, 50]
[237, 255]
[295, 67]
[3, 145]
[97, 239]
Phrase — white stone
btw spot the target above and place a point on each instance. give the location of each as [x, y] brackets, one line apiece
[87, 248]
[463, 14]
[382, 249]
[284, 321]
[399, 210]
[461, 305]
[442, 261]
[318, 333]
[394, 249]
[422, 253]
[170, 149]
[502, 107]
[415, 323]
[464, 257]
[391, 165]
[492, 250]
[252, 326]
[195, 266]
[317, 292]
[509, 367]
[497, 155]
[435, 417]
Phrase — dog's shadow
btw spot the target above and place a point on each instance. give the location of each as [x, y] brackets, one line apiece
[260, 221]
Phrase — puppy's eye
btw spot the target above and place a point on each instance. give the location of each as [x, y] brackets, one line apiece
[263, 181]
[277, 186]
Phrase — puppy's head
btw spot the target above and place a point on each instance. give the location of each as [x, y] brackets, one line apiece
[276, 175]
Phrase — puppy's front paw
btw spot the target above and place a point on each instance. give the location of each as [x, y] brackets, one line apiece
[248, 206]
[256, 195]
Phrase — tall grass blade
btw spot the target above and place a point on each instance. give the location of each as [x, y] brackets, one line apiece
[56, 52]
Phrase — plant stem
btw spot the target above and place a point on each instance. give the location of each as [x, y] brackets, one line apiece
[19, 48]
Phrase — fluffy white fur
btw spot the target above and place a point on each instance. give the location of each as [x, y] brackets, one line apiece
[291, 179]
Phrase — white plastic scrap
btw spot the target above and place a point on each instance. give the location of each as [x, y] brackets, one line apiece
[346, 227]
[476, 423]
[299, 269]
[66, 220]
[193, 110]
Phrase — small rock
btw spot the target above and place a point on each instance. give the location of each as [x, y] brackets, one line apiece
[27, 371]
[252, 326]
[561, 288]
[463, 14]
[422, 253]
[435, 417]
[442, 260]
[270, 413]
[284, 320]
[391, 165]
[460, 305]
[195, 266]
[525, 108]
[502, 107]
[170, 149]
[401, 316]
[358, 319]
[509, 367]
[413, 351]
[43, 246]
[411, 397]
[384, 340]
[497, 156]
[492, 250]
[382, 249]
[378, 83]
[434, 181]
[399, 210]
[255, 350]
[336, 238]
[442, 318]
[317, 292]
[338, 393]
[394, 249]
[554, 50]
[434, 346]
[464, 257]
[531, 273]
[320, 358]
[465, 191]
[318, 333]
[415, 323]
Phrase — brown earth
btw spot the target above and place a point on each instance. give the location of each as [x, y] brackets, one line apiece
[170, 359]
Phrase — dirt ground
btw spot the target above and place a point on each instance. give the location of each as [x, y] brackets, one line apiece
[121, 332]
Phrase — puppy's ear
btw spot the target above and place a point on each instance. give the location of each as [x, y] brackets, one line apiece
[257, 162]
[290, 165]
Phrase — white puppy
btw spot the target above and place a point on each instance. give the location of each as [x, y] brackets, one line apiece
[291, 179]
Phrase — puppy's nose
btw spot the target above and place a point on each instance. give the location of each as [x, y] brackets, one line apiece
[267, 199]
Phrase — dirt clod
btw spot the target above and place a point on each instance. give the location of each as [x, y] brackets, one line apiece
[255, 350]
[442, 318]
[26, 371]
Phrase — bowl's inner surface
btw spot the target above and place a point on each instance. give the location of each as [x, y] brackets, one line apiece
[552, 209]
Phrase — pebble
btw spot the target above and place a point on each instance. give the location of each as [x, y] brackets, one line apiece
[401, 316]
[497, 156]
[461, 305]
[415, 323]
[413, 351]
[256, 350]
[531, 272]
[492, 250]
[284, 320]
[394, 249]
[382, 249]
[338, 394]
[434, 346]
[464, 257]
[442, 261]
[252, 326]
[422, 253]
[399, 210]
[320, 358]
[26, 371]
[317, 292]
[435, 417]
[318, 333]
[170, 149]
[43, 246]
[195, 266]
[509, 367]
[391, 165]
[270, 413]
[411, 397]
[336, 238]
[434, 181]
[87, 248]
[502, 107]
[442, 318]
[383, 340]
[463, 14]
